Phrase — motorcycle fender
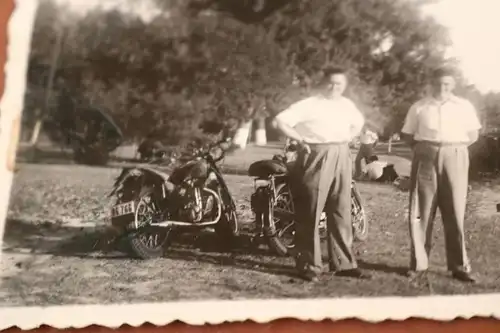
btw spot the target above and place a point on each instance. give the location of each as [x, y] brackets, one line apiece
[157, 177]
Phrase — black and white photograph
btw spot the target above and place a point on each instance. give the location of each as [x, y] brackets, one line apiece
[219, 155]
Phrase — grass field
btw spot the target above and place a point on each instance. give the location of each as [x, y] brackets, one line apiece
[56, 210]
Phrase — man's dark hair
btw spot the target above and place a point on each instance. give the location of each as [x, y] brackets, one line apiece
[443, 71]
[329, 71]
[332, 70]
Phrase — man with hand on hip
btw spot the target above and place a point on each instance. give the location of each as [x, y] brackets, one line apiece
[440, 128]
[323, 126]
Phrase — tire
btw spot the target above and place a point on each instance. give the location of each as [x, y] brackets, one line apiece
[227, 229]
[358, 215]
[136, 241]
[276, 242]
[360, 233]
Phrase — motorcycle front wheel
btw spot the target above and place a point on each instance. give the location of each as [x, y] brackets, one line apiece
[147, 242]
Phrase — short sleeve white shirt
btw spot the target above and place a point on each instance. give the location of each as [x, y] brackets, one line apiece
[436, 121]
[322, 120]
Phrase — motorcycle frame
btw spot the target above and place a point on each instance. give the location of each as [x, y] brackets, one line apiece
[224, 196]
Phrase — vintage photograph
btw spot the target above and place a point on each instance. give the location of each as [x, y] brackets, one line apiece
[174, 151]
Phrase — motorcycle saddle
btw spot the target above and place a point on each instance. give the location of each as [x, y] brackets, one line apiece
[266, 168]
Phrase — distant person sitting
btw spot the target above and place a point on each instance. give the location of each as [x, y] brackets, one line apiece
[368, 141]
[379, 171]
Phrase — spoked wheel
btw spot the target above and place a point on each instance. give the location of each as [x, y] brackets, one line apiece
[148, 242]
[359, 220]
[227, 228]
[283, 241]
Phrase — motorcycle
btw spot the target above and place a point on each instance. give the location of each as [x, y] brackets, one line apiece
[272, 204]
[151, 204]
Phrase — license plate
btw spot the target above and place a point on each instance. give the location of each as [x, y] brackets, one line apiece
[123, 209]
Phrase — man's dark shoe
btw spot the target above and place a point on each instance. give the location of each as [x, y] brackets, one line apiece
[309, 275]
[464, 276]
[354, 273]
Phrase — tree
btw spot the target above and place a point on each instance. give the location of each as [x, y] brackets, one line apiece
[215, 63]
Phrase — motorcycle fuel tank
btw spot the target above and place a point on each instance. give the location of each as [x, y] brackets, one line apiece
[197, 170]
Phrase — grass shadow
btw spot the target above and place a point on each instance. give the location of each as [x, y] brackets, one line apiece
[65, 241]
[383, 267]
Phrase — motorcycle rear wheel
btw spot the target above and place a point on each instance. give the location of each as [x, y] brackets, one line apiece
[147, 242]
[358, 216]
[283, 247]
[283, 240]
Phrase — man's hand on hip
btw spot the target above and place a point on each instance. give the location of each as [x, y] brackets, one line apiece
[304, 146]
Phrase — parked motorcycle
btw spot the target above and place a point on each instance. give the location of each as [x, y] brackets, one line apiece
[272, 203]
[150, 204]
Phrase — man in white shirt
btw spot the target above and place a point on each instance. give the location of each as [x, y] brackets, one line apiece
[323, 125]
[440, 128]
[368, 140]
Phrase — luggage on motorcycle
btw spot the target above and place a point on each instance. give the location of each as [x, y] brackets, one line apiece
[266, 168]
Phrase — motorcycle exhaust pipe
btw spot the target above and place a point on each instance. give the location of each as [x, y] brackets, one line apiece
[171, 223]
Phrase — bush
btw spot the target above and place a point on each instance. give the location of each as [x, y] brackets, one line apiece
[485, 155]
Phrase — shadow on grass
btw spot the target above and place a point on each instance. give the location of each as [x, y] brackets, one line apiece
[66, 241]
[383, 267]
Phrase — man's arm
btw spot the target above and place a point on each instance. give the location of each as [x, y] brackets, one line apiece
[287, 130]
[286, 119]
[473, 137]
[357, 121]
[473, 123]
[410, 126]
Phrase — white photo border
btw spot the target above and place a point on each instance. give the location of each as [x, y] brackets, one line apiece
[443, 308]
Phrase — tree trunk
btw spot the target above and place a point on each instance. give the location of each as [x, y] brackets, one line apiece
[36, 132]
[240, 139]
[260, 132]
[48, 94]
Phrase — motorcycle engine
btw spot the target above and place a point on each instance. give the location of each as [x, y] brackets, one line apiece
[188, 209]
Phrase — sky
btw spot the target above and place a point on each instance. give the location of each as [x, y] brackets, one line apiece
[474, 27]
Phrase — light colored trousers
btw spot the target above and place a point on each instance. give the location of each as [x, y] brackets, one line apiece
[321, 181]
[439, 179]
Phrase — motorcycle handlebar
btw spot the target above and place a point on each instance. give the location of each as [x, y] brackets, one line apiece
[205, 152]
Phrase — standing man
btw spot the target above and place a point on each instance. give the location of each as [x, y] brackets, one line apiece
[323, 126]
[368, 140]
[440, 128]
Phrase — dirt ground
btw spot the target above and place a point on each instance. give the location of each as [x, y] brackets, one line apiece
[56, 212]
